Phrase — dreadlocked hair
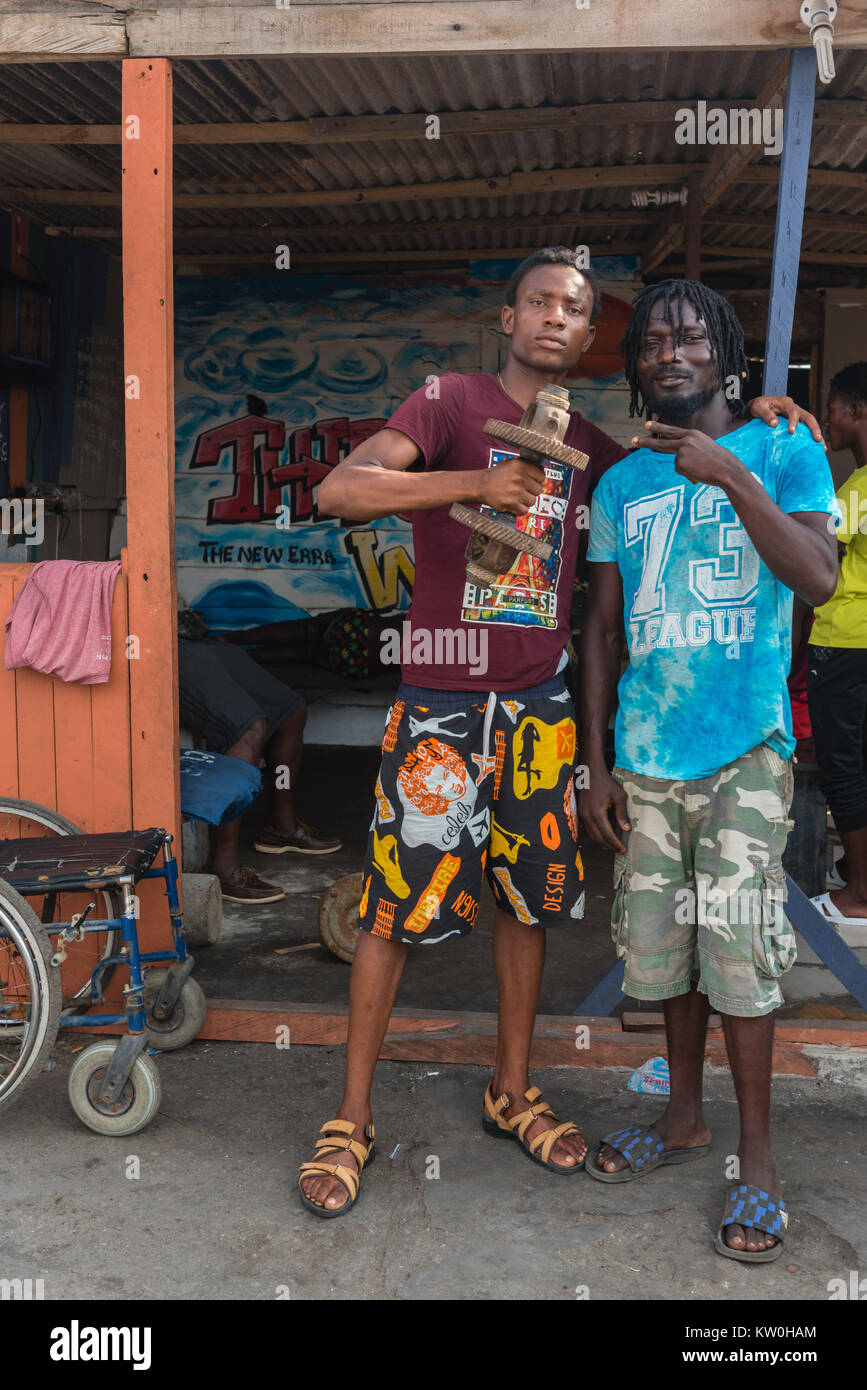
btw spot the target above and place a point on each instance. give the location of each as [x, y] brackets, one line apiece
[723, 329]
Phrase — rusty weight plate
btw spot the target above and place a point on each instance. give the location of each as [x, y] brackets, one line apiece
[338, 916]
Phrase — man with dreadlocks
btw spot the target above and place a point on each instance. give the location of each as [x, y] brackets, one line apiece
[697, 541]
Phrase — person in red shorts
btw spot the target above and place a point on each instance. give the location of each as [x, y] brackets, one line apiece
[478, 754]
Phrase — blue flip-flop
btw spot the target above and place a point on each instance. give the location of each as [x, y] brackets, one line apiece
[643, 1149]
[747, 1205]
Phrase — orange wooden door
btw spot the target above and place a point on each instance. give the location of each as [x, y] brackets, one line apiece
[68, 747]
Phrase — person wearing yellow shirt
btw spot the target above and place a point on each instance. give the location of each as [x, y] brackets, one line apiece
[837, 664]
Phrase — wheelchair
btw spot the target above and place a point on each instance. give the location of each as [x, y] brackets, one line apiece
[46, 865]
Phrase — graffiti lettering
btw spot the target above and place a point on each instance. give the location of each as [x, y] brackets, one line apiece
[255, 443]
[300, 555]
[213, 554]
[382, 577]
[312, 455]
[312, 557]
[252, 555]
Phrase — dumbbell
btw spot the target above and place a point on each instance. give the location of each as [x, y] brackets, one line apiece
[495, 541]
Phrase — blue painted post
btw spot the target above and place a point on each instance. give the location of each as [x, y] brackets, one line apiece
[607, 992]
[829, 946]
[605, 995]
[794, 166]
[792, 192]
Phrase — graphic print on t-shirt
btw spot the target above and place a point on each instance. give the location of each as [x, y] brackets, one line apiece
[526, 595]
[722, 583]
[707, 623]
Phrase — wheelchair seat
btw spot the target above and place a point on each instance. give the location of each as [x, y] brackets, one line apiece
[53, 864]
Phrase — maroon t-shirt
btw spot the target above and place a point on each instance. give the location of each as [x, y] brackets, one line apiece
[512, 635]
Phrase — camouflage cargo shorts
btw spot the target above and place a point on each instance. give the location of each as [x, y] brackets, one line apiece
[700, 892]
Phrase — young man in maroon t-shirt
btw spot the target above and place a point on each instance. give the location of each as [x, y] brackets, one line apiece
[478, 755]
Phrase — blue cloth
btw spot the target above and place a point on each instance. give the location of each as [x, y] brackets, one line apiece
[215, 788]
[707, 623]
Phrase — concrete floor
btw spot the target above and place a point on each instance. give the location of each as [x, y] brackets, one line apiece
[213, 1214]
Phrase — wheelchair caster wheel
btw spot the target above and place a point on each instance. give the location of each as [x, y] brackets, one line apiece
[137, 1103]
[187, 1016]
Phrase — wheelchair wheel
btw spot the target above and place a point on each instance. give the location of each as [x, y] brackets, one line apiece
[187, 1016]
[30, 998]
[137, 1103]
[24, 820]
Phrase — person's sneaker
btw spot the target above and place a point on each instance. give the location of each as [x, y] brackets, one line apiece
[244, 886]
[304, 840]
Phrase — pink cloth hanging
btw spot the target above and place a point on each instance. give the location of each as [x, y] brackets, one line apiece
[60, 623]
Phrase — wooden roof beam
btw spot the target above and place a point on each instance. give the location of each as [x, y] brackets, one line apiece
[249, 28]
[765, 253]
[336, 130]
[344, 231]
[842, 224]
[505, 186]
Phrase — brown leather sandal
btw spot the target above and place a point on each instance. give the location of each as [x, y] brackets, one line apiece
[334, 1143]
[496, 1122]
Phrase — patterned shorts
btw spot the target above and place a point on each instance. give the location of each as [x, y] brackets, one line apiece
[700, 892]
[472, 787]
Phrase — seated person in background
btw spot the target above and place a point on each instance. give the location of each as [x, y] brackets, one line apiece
[239, 709]
[837, 665]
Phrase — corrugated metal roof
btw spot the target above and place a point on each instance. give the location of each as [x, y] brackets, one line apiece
[285, 89]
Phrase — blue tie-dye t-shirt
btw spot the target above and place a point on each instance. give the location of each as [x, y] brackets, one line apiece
[707, 623]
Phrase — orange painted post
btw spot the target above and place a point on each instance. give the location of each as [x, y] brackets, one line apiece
[149, 416]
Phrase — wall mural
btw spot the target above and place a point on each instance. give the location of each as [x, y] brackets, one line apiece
[278, 379]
